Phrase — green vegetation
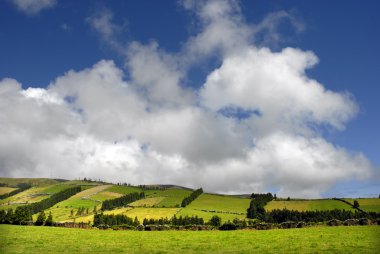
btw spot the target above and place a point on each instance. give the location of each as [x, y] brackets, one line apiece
[24, 239]
[307, 205]
[122, 201]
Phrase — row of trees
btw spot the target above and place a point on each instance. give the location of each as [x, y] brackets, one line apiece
[176, 221]
[258, 202]
[279, 216]
[119, 219]
[42, 220]
[187, 200]
[21, 187]
[53, 199]
[122, 201]
[114, 220]
[21, 216]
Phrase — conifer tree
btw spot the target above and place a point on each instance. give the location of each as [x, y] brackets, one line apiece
[41, 219]
[49, 220]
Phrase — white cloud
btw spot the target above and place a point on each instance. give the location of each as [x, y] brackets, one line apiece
[102, 22]
[152, 129]
[32, 7]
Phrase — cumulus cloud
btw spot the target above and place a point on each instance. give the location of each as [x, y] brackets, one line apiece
[252, 126]
[32, 7]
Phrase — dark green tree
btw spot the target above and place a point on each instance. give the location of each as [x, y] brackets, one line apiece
[356, 204]
[22, 215]
[9, 218]
[49, 220]
[215, 221]
[2, 216]
[41, 219]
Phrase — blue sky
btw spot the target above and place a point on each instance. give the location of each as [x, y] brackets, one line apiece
[38, 44]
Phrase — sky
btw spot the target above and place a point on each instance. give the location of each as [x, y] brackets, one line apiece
[232, 96]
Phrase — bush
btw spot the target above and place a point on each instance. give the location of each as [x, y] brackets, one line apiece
[215, 221]
[228, 226]
[364, 221]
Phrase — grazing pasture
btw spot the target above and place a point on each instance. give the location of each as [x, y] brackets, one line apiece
[24, 239]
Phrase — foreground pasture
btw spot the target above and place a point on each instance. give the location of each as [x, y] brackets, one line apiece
[28, 239]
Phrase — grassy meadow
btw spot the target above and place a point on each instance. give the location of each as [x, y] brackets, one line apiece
[367, 204]
[5, 190]
[308, 205]
[26, 239]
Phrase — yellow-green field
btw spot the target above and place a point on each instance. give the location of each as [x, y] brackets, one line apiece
[5, 190]
[147, 202]
[24, 239]
[307, 205]
[154, 213]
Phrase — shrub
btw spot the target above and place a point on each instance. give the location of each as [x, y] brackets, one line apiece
[228, 226]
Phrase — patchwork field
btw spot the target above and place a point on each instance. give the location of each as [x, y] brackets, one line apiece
[208, 205]
[24, 239]
[307, 205]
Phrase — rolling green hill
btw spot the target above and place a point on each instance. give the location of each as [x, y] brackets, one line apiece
[160, 201]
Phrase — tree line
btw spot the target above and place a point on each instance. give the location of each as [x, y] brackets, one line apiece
[122, 201]
[187, 200]
[279, 216]
[53, 199]
[21, 187]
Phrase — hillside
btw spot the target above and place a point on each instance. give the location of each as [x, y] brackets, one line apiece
[161, 201]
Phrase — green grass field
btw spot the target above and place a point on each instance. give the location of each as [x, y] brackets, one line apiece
[123, 189]
[367, 204]
[171, 197]
[307, 205]
[24, 239]
[211, 202]
[208, 205]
